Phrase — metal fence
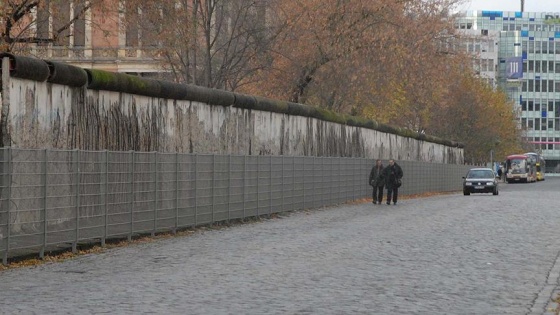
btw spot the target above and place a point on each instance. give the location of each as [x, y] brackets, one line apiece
[53, 199]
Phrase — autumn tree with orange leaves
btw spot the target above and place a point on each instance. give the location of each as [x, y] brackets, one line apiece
[391, 61]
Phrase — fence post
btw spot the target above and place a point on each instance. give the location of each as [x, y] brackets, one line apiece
[44, 201]
[77, 179]
[195, 190]
[258, 180]
[8, 187]
[213, 184]
[270, 187]
[106, 157]
[244, 183]
[282, 183]
[229, 189]
[133, 156]
[155, 192]
[293, 183]
[176, 193]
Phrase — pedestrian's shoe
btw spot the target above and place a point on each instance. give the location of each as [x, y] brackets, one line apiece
[395, 203]
[388, 202]
[374, 202]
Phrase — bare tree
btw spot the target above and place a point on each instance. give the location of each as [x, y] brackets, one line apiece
[214, 43]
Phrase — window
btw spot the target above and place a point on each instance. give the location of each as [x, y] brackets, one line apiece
[530, 107]
[557, 86]
[80, 24]
[530, 124]
[543, 123]
[550, 85]
[531, 83]
[537, 85]
[537, 47]
[550, 106]
[531, 47]
[524, 66]
[551, 146]
[551, 66]
[544, 66]
[556, 124]
[524, 88]
[551, 48]
[551, 124]
[537, 124]
[523, 122]
[537, 66]
[531, 65]
[544, 47]
[544, 86]
[537, 107]
[557, 50]
[524, 106]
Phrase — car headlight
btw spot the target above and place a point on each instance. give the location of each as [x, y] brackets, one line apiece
[468, 184]
[490, 183]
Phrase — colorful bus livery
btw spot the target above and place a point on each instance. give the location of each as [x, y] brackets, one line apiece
[540, 164]
[519, 168]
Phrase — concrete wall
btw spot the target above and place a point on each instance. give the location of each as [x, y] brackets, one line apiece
[42, 114]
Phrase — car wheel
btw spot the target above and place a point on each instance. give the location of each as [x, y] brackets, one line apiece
[466, 193]
[495, 192]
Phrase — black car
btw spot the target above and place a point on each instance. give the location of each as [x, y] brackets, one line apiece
[480, 180]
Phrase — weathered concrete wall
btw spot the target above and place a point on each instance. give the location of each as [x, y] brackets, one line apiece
[42, 114]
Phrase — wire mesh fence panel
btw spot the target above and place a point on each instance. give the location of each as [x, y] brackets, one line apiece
[205, 189]
[61, 197]
[119, 200]
[166, 192]
[276, 184]
[5, 185]
[27, 204]
[186, 186]
[298, 196]
[52, 199]
[237, 187]
[90, 189]
[263, 184]
[143, 193]
[287, 183]
[252, 187]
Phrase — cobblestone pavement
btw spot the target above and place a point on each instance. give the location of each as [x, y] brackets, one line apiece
[449, 254]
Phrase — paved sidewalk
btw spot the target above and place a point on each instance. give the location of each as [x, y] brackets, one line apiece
[439, 255]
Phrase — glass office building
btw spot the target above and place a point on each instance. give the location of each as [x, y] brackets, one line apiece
[527, 67]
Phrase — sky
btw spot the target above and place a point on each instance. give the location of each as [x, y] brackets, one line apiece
[552, 6]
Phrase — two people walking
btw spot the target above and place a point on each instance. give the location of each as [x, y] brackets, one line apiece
[388, 177]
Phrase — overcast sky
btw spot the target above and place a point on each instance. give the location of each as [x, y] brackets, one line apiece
[513, 5]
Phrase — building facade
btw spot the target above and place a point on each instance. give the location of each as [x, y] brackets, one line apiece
[106, 36]
[527, 69]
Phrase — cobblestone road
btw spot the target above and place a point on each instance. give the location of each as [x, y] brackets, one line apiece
[450, 254]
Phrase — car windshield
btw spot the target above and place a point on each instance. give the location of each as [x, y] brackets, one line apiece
[517, 165]
[480, 174]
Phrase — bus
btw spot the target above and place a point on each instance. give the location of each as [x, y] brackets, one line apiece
[519, 168]
[540, 164]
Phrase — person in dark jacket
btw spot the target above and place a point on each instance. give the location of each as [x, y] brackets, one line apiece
[377, 182]
[392, 175]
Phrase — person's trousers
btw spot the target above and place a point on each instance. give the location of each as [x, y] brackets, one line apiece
[392, 192]
[377, 194]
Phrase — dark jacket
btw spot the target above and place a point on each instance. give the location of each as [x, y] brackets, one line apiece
[375, 178]
[391, 174]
